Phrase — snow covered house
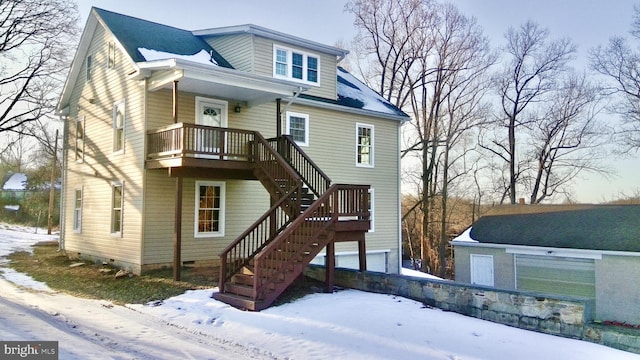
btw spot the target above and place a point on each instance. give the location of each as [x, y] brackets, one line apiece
[589, 251]
[239, 146]
[14, 187]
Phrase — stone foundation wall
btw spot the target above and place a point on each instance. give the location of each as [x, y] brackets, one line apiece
[565, 316]
[557, 315]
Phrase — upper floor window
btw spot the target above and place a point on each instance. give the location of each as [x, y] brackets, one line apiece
[111, 56]
[294, 64]
[364, 145]
[89, 66]
[117, 197]
[118, 126]
[298, 127]
[80, 139]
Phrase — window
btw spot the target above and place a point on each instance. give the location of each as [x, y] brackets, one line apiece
[298, 127]
[281, 62]
[77, 211]
[210, 208]
[80, 139]
[296, 65]
[364, 145]
[111, 56]
[118, 126]
[89, 65]
[116, 208]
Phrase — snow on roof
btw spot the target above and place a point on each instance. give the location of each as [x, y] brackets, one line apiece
[353, 91]
[17, 181]
[134, 33]
[201, 57]
[465, 236]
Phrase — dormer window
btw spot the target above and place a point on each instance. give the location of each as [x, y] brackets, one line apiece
[295, 65]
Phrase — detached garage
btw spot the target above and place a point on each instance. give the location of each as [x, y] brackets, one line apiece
[590, 251]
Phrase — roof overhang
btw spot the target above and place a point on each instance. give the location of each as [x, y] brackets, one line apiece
[214, 80]
[546, 251]
[363, 112]
[273, 35]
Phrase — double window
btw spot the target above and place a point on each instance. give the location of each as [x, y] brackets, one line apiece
[117, 202]
[364, 145]
[298, 127]
[119, 117]
[210, 208]
[296, 65]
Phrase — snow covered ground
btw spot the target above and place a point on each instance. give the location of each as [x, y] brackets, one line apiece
[347, 324]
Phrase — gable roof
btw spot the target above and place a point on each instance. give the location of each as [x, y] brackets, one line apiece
[599, 227]
[134, 34]
[155, 47]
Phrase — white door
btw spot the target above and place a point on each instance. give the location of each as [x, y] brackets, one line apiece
[210, 112]
[482, 270]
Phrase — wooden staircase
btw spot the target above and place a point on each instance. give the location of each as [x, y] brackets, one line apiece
[264, 260]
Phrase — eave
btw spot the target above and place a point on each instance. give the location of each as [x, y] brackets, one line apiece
[546, 251]
[209, 79]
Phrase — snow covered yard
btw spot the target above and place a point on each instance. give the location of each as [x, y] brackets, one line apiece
[347, 324]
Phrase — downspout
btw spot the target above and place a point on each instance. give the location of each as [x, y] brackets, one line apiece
[286, 107]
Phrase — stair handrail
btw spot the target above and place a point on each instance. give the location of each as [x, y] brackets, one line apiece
[317, 181]
[251, 248]
[290, 209]
[320, 216]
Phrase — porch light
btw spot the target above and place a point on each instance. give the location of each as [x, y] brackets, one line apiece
[237, 108]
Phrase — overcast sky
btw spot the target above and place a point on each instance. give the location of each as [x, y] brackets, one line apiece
[587, 22]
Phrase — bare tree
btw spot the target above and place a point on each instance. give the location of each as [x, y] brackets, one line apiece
[424, 54]
[34, 50]
[567, 140]
[620, 64]
[532, 68]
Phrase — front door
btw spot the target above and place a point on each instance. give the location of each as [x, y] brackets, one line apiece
[213, 114]
[482, 270]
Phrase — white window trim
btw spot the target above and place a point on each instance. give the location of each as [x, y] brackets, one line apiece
[111, 55]
[120, 231]
[372, 146]
[81, 120]
[289, 114]
[472, 273]
[77, 212]
[305, 62]
[221, 232]
[114, 129]
[89, 68]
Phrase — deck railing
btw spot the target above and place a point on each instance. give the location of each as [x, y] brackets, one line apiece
[299, 243]
[184, 139]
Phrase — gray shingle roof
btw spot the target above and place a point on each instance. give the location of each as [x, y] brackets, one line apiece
[134, 33]
[602, 227]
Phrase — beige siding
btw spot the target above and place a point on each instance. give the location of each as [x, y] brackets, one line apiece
[236, 49]
[101, 166]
